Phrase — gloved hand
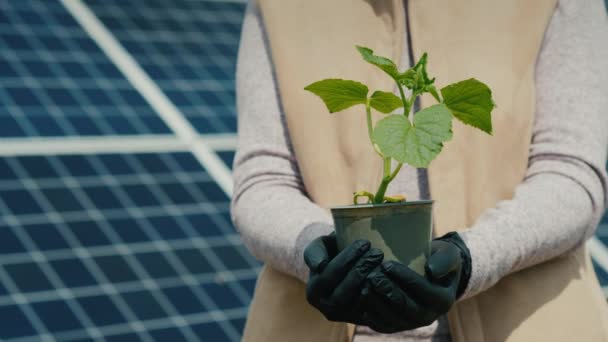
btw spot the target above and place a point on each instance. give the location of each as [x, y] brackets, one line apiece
[401, 299]
[336, 279]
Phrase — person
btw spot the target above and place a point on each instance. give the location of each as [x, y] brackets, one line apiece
[554, 210]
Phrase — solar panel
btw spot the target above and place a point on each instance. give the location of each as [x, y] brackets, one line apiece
[109, 244]
[55, 81]
[99, 245]
[187, 47]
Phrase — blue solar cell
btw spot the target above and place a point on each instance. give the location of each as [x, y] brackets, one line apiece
[177, 193]
[121, 125]
[74, 70]
[116, 164]
[222, 295]
[15, 41]
[129, 230]
[46, 126]
[6, 70]
[212, 191]
[187, 162]
[156, 265]
[102, 197]
[62, 199]
[211, 332]
[28, 17]
[20, 202]
[76, 165]
[38, 68]
[144, 305]
[204, 225]
[9, 243]
[88, 233]
[46, 236]
[84, 125]
[248, 284]
[115, 268]
[56, 316]
[6, 172]
[194, 261]
[38, 167]
[9, 128]
[19, 324]
[61, 97]
[101, 310]
[28, 277]
[141, 195]
[152, 163]
[167, 228]
[123, 338]
[239, 324]
[72, 272]
[184, 300]
[23, 97]
[168, 334]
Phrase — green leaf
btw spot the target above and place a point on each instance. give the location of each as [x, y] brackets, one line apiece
[417, 79]
[420, 68]
[339, 94]
[383, 63]
[471, 102]
[416, 144]
[431, 89]
[407, 78]
[385, 102]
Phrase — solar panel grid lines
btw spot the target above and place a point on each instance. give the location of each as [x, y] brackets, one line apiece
[140, 79]
[153, 170]
[56, 82]
[188, 48]
[128, 255]
[93, 269]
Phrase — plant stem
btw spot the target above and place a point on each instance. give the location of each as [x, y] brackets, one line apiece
[363, 193]
[396, 171]
[410, 103]
[406, 105]
[379, 198]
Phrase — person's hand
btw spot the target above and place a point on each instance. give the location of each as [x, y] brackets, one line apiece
[401, 299]
[336, 279]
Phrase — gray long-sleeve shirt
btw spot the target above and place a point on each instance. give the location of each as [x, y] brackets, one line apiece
[555, 209]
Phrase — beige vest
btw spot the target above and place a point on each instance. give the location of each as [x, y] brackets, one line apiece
[494, 41]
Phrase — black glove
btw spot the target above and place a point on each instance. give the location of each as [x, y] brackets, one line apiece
[336, 279]
[401, 299]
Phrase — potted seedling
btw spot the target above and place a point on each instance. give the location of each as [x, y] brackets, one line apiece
[401, 228]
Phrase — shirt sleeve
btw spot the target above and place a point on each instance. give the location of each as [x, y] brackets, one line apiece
[563, 196]
[270, 207]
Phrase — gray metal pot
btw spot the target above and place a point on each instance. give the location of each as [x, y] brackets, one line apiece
[401, 230]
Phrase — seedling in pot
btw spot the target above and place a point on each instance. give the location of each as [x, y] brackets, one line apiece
[417, 139]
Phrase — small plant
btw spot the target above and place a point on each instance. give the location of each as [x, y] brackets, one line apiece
[416, 140]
